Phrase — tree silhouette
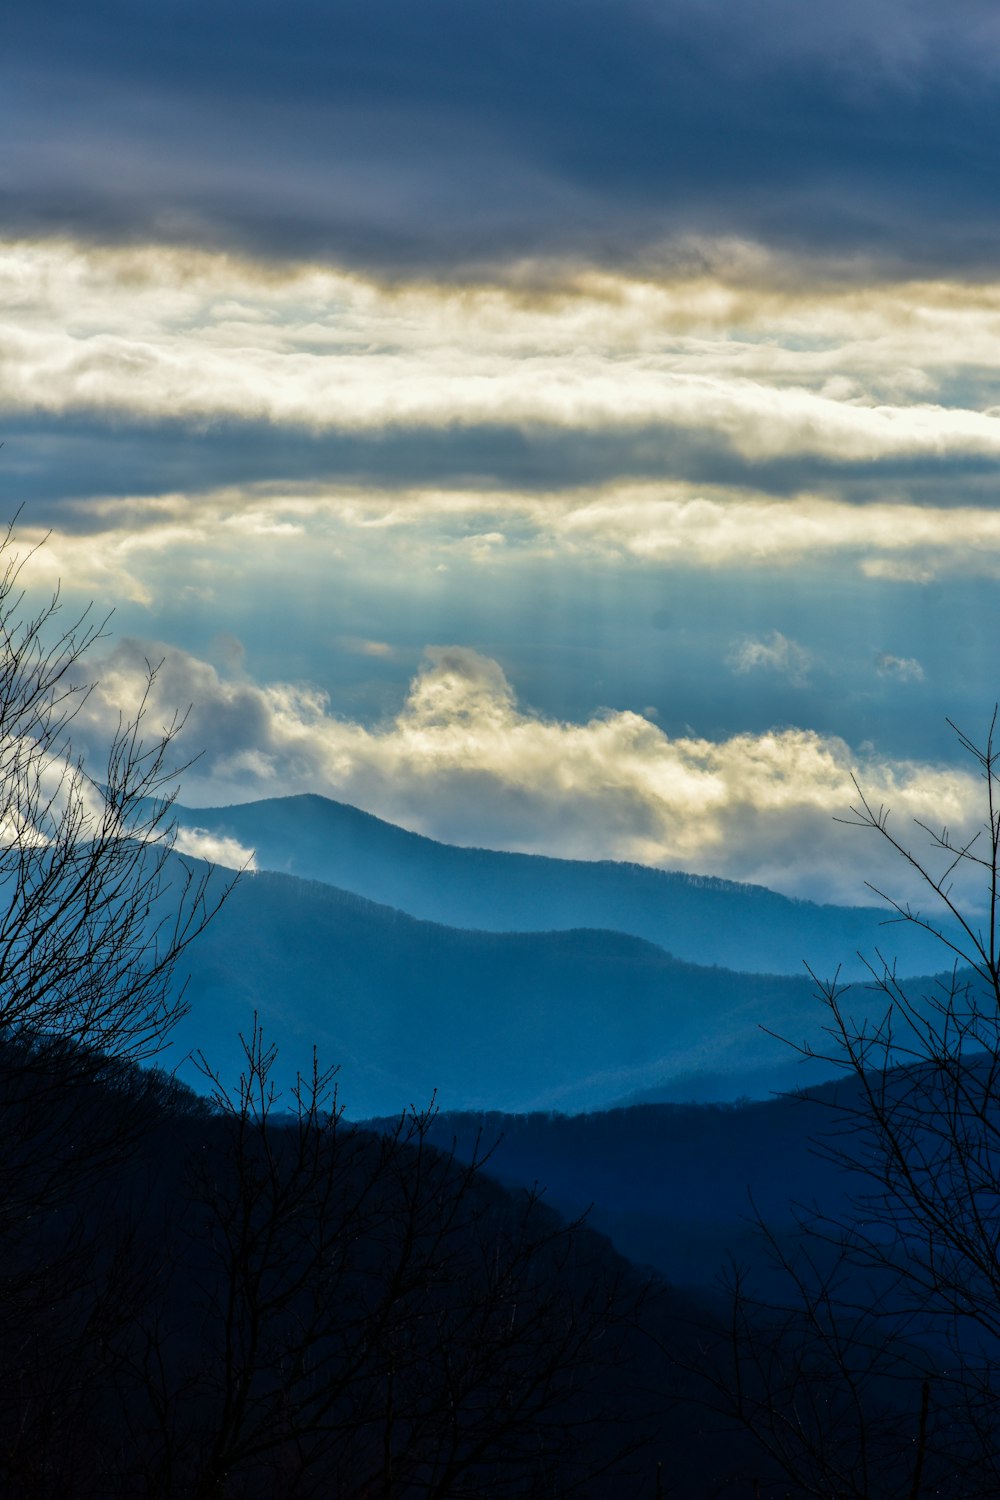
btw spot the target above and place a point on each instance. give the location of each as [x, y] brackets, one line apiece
[374, 1318]
[215, 1298]
[879, 1375]
[95, 913]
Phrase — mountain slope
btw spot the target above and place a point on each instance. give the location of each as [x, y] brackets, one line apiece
[671, 1184]
[569, 1020]
[742, 927]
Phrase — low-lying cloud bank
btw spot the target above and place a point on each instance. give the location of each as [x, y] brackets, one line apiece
[463, 761]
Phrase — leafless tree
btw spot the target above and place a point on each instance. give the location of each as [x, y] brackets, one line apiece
[96, 911]
[376, 1319]
[879, 1373]
[87, 947]
[227, 1300]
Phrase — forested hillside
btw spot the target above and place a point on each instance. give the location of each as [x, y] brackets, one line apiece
[570, 1020]
[700, 920]
[239, 1305]
[676, 1186]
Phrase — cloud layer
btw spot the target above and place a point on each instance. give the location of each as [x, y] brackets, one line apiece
[652, 351]
[739, 418]
[153, 335]
[367, 130]
[463, 761]
[149, 549]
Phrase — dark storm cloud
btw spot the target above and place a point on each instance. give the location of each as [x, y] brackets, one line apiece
[450, 134]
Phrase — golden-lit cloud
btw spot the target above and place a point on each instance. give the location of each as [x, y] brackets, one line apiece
[199, 545]
[745, 354]
[462, 760]
[844, 372]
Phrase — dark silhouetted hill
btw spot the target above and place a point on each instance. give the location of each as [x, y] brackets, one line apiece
[674, 1185]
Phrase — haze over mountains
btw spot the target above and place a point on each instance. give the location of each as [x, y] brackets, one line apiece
[563, 1020]
[700, 919]
[573, 1007]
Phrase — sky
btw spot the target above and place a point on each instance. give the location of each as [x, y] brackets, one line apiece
[560, 425]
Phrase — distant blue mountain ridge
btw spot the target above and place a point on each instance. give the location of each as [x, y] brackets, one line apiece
[702, 920]
[413, 1011]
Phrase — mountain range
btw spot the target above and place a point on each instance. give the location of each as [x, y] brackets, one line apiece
[563, 1017]
[699, 919]
[410, 1009]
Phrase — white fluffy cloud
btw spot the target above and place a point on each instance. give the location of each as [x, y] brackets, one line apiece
[219, 850]
[844, 373]
[902, 668]
[463, 761]
[150, 548]
[773, 653]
